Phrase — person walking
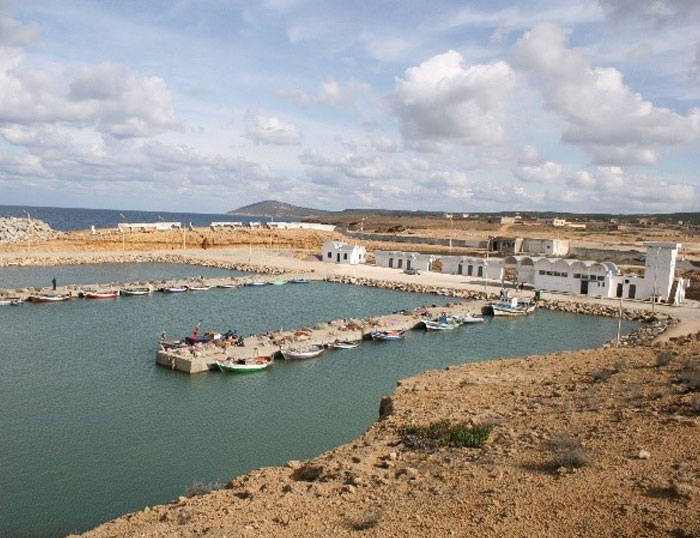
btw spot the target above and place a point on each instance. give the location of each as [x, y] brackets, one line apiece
[53, 282]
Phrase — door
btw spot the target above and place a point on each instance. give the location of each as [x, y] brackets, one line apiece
[480, 271]
[584, 287]
[470, 270]
[633, 291]
[408, 264]
[460, 268]
[400, 264]
[391, 262]
[338, 259]
[619, 290]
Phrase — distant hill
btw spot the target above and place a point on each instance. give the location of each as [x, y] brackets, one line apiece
[273, 208]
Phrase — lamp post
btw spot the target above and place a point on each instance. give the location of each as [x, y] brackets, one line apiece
[451, 217]
[121, 229]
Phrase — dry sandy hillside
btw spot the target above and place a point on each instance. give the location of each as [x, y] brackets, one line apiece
[597, 443]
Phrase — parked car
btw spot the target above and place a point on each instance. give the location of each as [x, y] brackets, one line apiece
[412, 272]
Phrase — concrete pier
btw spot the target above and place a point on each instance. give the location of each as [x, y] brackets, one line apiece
[203, 357]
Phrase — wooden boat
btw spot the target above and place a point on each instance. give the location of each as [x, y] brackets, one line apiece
[135, 291]
[470, 318]
[5, 302]
[46, 298]
[254, 283]
[308, 352]
[173, 289]
[344, 344]
[510, 306]
[16, 301]
[111, 294]
[387, 335]
[198, 288]
[227, 286]
[299, 281]
[440, 324]
[244, 366]
[277, 282]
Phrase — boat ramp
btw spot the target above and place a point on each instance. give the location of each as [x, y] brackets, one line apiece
[202, 357]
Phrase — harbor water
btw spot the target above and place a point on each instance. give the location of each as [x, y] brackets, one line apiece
[103, 273]
[92, 428]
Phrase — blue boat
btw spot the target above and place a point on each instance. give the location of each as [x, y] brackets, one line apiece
[387, 335]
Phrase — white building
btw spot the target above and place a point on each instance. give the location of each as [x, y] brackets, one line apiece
[404, 260]
[340, 252]
[300, 225]
[145, 226]
[473, 266]
[546, 247]
[226, 224]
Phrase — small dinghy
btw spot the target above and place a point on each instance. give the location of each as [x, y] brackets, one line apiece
[45, 298]
[298, 280]
[199, 288]
[387, 335]
[254, 283]
[227, 286]
[440, 324]
[111, 294]
[16, 301]
[134, 291]
[243, 366]
[173, 289]
[277, 282]
[344, 344]
[470, 318]
[308, 352]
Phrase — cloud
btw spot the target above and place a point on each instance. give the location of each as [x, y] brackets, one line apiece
[442, 101]
[332, 93]
[612, 188]
[605, 117]
[657, 12]
[533, 168]
[270, 130]
[16, 34]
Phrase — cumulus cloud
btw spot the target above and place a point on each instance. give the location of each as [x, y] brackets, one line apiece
[271, 130]
[443, 101]
[612, 188]
[605, 117]
[333, 93]
[533, 168]
[16, 34]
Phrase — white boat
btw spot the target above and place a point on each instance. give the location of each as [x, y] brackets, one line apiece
[243, 366]
[510, 306]
[440, 324]
[308, 352]
[198, 288]
[344, 344]
[173, 289]
[227, 286]
[254, 283]
[298, 280]
[469, 318]
[134, 291]
[388, 335]
[5, 302]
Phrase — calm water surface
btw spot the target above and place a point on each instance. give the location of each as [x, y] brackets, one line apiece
[103, 273]
[92, 429]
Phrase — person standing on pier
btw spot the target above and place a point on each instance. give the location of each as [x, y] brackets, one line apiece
[53, 282]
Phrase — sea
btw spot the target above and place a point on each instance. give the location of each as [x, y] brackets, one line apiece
[79, 218]
[92, 428]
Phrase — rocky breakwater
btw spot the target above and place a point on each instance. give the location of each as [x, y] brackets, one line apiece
[411, 287]
[20, 230]
[654, 323]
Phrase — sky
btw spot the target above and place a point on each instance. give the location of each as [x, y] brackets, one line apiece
[477, 105]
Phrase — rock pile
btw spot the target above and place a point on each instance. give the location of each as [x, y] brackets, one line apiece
[410, 287]
[18, 230]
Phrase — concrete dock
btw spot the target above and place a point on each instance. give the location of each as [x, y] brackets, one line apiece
[202, 357]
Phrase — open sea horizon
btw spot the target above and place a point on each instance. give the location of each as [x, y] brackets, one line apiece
[66, 219]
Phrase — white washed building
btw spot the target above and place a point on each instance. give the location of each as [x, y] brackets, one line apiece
[398, 259]
[341, 252]
[492, 268]
[546, 247]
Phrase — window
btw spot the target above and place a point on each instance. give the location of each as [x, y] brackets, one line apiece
[549, 273]
[330, 254]
[542, 271]
[601, 278]
[565, 275]
[345, 256]
[577, 275]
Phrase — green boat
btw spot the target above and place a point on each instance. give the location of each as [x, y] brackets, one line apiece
[277, 282]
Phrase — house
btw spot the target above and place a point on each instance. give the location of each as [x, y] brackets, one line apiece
[505, 245]
[404, 260]
[473, 266]
[546, 247]
[146, 226]
[559, 223]
[300, 226]
[341, 252]
[226, 224]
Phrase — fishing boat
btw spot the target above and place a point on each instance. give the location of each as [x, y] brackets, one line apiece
[254, 283]
[344, 344]
[387, 335]
[135, 291]
[173, 289]
[227, 286]
[510, 306]
[111, 294]
[243, 366]
[469, 318]
[46, 298]
[199, 288]
[308, 352]
[5, 302]
[16, 301]
[299, 281]
[277, 282]
[441, 324]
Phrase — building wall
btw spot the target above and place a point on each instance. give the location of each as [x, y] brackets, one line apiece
[492, 268]
[339, 252]
[546, 247]
[398, 259]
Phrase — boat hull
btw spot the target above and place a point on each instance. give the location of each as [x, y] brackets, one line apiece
[233, 367]
[292, 355]
[387, 337]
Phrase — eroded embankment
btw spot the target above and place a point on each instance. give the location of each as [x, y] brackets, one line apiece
[601, 442]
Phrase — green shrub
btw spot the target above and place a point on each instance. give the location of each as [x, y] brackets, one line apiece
[444, 433]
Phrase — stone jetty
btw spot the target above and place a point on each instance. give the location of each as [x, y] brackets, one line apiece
[202, 357]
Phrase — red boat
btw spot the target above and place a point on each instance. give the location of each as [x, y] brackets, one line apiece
[112, 294]
[49, 298]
